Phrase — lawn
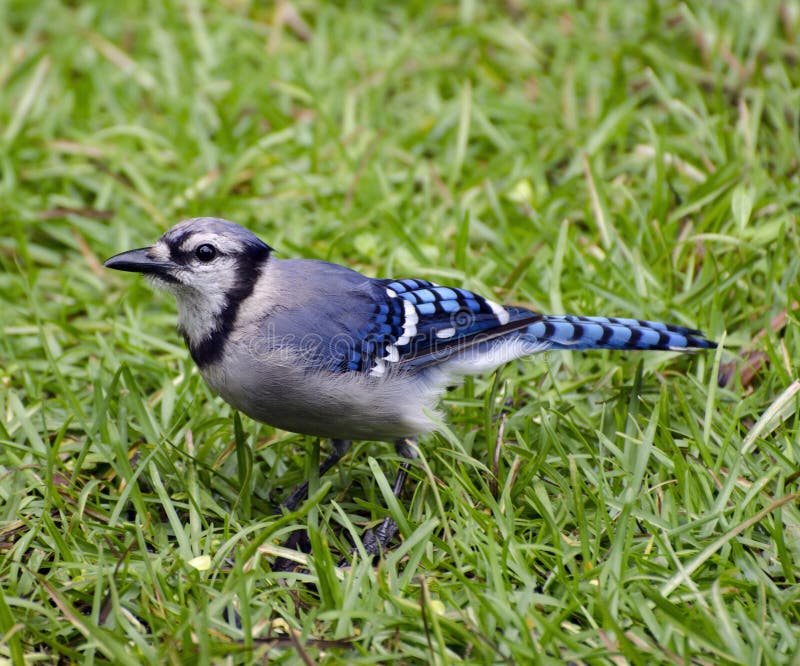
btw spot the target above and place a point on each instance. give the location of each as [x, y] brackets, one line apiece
[634, 160]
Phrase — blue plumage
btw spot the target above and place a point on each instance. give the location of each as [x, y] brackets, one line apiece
[316, 348]
[572, 332]
[416, 323]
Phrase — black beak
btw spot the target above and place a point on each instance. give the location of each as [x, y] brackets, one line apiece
[137, 261]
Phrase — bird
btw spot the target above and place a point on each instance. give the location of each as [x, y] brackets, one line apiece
[319, 349]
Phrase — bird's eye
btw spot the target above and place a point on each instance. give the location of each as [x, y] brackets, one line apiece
[205, 252]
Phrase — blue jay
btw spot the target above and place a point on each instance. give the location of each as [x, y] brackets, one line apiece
[319, 349]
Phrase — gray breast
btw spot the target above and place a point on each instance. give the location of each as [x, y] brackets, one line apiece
[277, 388]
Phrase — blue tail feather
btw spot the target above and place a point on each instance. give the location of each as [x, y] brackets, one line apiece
[572, 332]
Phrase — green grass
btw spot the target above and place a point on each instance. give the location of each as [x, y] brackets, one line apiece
[595, 159]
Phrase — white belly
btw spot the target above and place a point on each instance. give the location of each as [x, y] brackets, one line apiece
[278, 391]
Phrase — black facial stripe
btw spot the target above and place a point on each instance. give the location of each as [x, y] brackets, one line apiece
[180, 257]
[248, 268]
[174, 243]
[178, 254]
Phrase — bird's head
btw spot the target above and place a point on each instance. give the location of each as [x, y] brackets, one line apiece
[210, 265]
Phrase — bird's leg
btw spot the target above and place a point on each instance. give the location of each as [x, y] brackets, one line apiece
[298, 540]
[340, 449]
[377, 540]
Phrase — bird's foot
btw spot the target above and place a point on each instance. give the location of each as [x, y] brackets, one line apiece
[298, 541]
[375, 541]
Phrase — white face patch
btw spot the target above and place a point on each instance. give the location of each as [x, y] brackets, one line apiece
[159, 251]
[198, 309]
[212, 267]
[201, 288]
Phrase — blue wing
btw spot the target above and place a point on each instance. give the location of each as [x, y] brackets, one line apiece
[342, 321]
[418, 323]
[346, 322]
